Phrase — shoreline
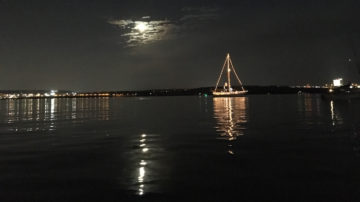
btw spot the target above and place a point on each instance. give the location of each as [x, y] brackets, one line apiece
[205, 91]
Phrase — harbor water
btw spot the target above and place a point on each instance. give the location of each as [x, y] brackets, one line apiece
[190, 148]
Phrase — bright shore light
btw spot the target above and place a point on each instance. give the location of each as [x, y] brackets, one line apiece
[53, 92]
[338, 82]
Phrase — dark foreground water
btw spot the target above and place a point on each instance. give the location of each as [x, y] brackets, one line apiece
[255, 148]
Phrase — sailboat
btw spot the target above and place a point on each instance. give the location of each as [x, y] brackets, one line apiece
[227, 90]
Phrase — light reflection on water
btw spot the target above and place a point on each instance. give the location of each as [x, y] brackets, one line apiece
[231, 116]
[311, 110]
[142, 165]
[332, 112]
[336, 118]
[28, 115]
[145, 159]
[178, 155]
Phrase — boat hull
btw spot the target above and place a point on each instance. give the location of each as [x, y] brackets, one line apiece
[230, 94]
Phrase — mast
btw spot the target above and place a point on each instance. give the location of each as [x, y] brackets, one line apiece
[228, 70]
[228, 64]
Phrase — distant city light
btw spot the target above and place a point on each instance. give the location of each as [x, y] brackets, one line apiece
[338, 82]
[53, 92]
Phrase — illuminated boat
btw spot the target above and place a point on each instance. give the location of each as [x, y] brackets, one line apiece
[227, 90]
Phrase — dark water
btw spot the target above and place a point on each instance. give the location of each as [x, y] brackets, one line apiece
[255, 148]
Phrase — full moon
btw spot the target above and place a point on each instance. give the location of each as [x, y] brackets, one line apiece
[141, 26]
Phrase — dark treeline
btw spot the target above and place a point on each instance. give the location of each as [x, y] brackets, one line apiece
[179, 92]
[208, 91]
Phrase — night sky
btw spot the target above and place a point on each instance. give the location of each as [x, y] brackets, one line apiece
[131, 45]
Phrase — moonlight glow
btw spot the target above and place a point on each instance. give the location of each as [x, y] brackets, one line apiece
[142, 32]
[141, 26]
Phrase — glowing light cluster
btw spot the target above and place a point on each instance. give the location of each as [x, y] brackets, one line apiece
[338, 82]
